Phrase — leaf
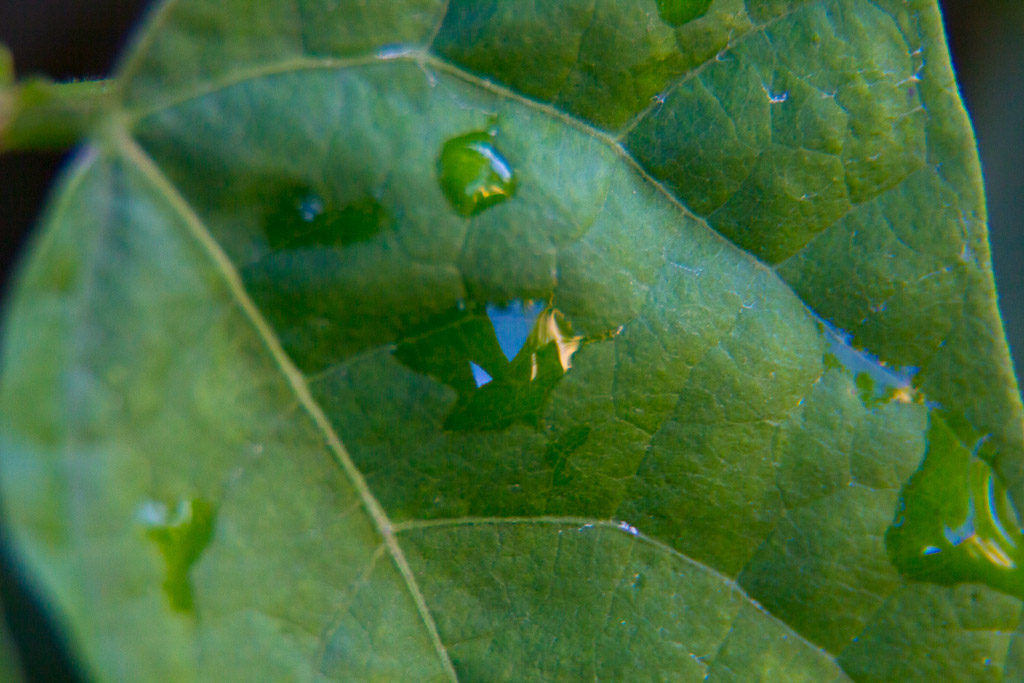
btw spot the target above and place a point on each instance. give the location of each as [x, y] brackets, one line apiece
[10, 667]
[576, 340]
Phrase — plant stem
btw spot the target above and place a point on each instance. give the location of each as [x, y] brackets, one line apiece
[41, 114]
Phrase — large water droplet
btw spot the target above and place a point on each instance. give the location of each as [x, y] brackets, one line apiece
[502, 359]
[679, 12]
[304, 218]
[473, 174]
[181, 535]
[956, 522]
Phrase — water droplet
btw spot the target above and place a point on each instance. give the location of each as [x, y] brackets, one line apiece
[394, 51]
[502, 359]
[181, 536]
[776, 98]
[473, 174]
[311, 207]
[301, 218]
[628, 528]
[679, 12]
[876, 382]
[958, 523]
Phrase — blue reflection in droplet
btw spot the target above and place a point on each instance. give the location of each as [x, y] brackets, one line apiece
[480, 375]
[513, 323]
[958, 535]
[859, 361]
[311, 207]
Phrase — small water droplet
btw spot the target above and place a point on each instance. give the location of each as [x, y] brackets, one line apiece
[628, 528]
[679, 12]
[181, 537]
[301, 218]
[310, 207]
[394, 51]
[473, 174]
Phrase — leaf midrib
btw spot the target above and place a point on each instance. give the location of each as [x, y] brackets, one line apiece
[296, 381]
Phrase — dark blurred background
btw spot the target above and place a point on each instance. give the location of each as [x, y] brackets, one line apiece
[67, 39]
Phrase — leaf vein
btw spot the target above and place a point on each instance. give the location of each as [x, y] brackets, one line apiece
[296, 381]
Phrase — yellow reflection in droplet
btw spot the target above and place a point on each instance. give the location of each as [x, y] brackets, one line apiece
[552, 327]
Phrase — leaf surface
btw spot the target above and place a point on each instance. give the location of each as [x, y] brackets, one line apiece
[587, 339]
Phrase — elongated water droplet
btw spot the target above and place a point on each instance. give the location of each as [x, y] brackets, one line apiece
[473, 174]
[181, 535]
[956, 522]
[876, 382]
[679, 12]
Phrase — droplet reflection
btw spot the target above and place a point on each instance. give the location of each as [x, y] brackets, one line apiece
[679, 12]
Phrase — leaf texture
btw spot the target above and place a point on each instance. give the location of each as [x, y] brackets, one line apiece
[647, 402]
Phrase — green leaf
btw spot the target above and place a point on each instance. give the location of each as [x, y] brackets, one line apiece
[482, 340]
[10, 667]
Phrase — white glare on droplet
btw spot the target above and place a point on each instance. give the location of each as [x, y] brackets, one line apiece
[628, 528]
